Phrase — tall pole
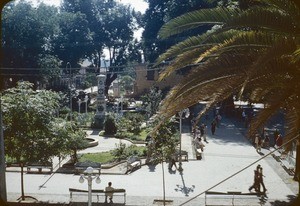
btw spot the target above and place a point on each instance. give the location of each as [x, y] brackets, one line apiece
[3, 194]
[89, 179]
[180, 169]
[70, 84]
[186, 113]
[163, 176]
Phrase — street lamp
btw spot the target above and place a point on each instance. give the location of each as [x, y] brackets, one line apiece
[70, 87]
[186, 113]
[89, 178]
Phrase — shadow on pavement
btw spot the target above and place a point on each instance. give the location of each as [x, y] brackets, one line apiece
[293, 201]
[183, 188]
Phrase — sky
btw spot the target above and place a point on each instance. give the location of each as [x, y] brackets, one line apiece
[138, 5]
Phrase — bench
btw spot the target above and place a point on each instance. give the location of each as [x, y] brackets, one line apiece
[231, 198]
[133, 162]
[288, 166]
[39, 167]
[198, 154]
[184, 155]
[98, 193]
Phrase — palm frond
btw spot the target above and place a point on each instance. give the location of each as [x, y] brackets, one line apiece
[296, 56]
[216, 16]
[204, 91]
[264, 19]
[285, 6]
[184, 60]
[264, 115]
[292, 125]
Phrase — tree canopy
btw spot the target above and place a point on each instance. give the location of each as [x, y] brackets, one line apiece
[160, 12]
[50, 38]
[32, 133]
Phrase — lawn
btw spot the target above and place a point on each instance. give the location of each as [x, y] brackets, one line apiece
[106, 157]
[102, 157]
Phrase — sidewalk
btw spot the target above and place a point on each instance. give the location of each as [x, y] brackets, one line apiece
[227, 153]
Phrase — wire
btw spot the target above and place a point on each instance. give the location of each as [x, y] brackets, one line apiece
[240, 171]
[89, 68]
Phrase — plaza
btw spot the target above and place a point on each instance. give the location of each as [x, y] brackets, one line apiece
[227, 154]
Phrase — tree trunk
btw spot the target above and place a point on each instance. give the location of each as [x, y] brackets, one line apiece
[3, 195]
[22, 181]
[297, 169]
[109, 79]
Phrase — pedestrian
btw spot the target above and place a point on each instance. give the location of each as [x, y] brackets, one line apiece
[172, 162]
[198, 144]
[261, 179]
[256, 183]
[218, 119]
[108, 192]
[199, 148]
[279, 140]
[267, 141]
[203, 132]
[213, 127]
[257, 143]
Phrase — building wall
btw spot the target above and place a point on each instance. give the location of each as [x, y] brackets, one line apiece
[142, 84]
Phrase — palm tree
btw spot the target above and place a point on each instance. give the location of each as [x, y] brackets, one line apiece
[255, 51]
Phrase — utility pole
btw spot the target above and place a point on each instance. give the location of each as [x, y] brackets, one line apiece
[3, 195]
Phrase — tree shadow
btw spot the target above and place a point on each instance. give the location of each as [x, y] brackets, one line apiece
[151, 167]
[95, 132]
[183, 188]
[292, 201]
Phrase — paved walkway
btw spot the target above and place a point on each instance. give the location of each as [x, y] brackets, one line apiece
[227, 153]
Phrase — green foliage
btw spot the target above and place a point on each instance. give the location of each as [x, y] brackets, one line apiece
[76, 31]
[32, 132]
[160, 12]
[164, 141]
[126, 84]
[110, 126]
[151, 101]
[50, 70]
[27, 115]
[129, 124]
[122, 152]
[102, 157]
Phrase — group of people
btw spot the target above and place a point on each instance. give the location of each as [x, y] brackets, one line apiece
[199, 134]
[258, 180]
[261, 142]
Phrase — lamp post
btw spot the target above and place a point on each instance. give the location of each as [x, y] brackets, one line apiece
[89, 178]
[186, 113]
[3, 193]
[70, 87]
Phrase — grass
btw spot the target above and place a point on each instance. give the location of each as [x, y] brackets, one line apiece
[143, 134]
[102, 157]
[106, 157]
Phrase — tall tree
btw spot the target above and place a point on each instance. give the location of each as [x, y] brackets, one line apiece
[111, 25]
[246, 51]
[158, 13]
[73, 39]
[29, 118]
[26, 32]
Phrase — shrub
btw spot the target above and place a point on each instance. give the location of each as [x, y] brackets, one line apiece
[110, 126]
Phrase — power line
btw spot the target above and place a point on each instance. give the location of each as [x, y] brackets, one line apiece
[89, 68]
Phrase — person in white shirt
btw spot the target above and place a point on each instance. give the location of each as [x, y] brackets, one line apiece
[108, 192]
